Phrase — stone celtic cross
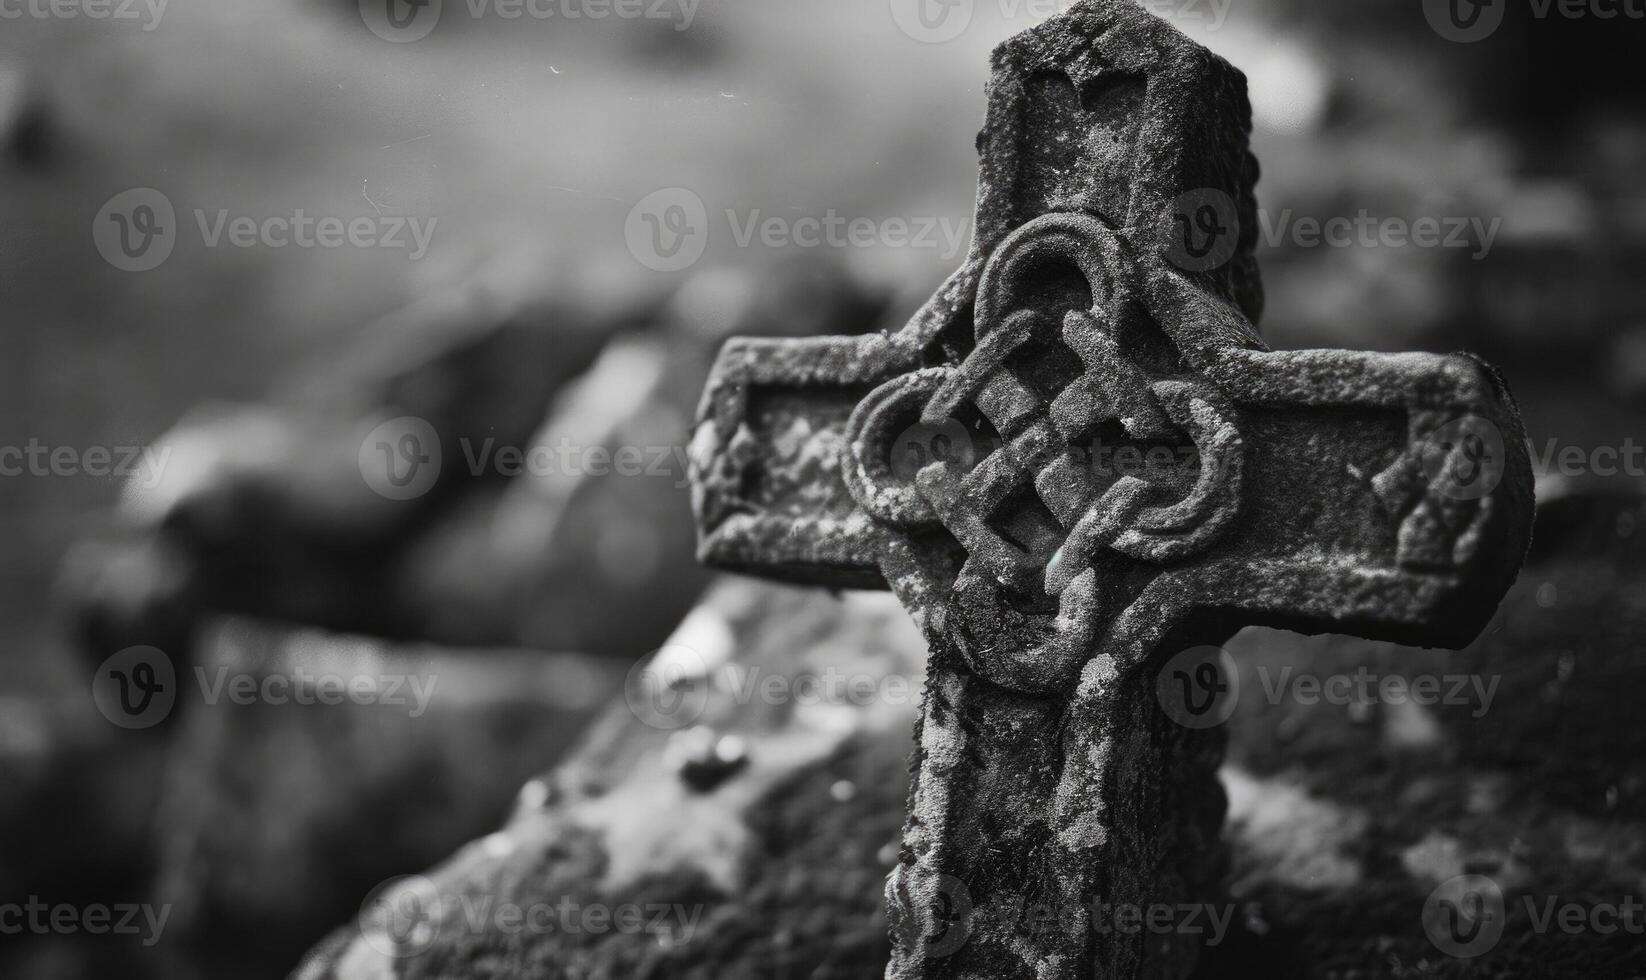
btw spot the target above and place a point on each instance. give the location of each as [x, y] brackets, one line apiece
[1107, 303]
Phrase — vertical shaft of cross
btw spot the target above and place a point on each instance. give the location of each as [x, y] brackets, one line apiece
[1038, 824]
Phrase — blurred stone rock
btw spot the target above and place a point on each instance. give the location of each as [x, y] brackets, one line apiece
[1345, 814]
[275, 818]
[533, 533]
[591, 546]
[310, 766]
[265, 511]
[773, 869]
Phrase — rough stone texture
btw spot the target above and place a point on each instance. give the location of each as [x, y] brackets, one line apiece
[770, 870]
[1328, 491]
[1343, 817]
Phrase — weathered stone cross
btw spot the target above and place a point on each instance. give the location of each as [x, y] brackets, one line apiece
[968, 462]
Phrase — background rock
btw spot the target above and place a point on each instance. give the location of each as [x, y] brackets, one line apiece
[1344, 817]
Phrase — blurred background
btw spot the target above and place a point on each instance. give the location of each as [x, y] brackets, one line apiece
[507, 288]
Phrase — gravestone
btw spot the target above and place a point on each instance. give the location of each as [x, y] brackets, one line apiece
[969, 463]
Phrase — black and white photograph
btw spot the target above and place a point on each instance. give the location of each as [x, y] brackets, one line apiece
[822, 490]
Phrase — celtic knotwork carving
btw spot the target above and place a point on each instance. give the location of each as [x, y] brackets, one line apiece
[1049, 445]
[1440, 488]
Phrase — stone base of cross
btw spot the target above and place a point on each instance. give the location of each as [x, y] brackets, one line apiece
[1079, 469]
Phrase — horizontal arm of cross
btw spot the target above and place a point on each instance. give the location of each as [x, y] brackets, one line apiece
[768, 459]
